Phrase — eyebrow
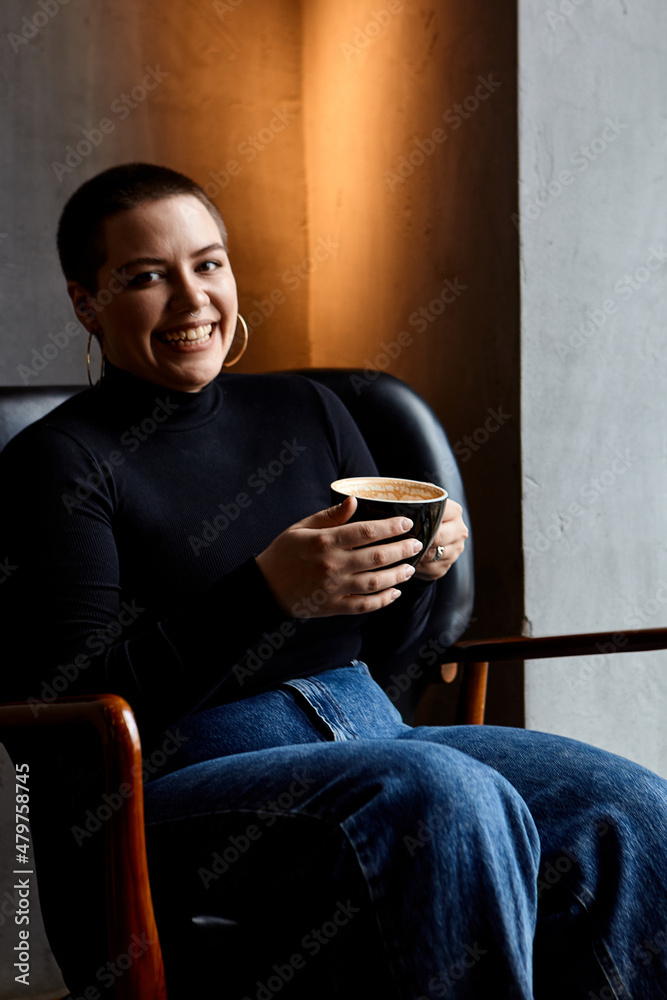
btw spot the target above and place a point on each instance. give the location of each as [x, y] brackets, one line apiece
[160, 260]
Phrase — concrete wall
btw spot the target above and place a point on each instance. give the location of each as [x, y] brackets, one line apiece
[593, 111]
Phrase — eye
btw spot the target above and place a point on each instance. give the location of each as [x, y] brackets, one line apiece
[145, 278]
[208, 266]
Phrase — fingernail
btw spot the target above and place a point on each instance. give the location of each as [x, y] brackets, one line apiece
[416, 545]
[406, 524]
[409, 570]
[395, 594]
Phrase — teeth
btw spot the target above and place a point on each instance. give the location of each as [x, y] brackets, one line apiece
[198, 333]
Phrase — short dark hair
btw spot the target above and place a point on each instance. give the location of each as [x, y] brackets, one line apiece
[80, 242]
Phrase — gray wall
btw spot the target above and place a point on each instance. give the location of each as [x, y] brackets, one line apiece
[593, 124]
[56, 83]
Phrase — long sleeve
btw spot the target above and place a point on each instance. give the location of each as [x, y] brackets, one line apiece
[75, 627]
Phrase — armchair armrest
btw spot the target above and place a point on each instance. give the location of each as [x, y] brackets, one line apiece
[475, 655]
[129, 906]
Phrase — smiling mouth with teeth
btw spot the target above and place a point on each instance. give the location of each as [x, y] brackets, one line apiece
[191, 335]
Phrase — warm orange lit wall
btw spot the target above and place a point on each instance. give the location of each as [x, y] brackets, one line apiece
[230, 115]
[414, 213]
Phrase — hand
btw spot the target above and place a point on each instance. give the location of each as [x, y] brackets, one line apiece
[452, 534]
[316, 567]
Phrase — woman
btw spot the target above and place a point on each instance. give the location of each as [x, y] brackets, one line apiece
[230, 607]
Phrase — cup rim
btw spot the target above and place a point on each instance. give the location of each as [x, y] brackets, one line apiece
[340, 486]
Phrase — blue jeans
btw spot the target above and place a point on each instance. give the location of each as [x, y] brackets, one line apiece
[343, 853]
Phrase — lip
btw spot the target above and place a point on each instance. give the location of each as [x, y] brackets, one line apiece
[187, 326]
[186, 346]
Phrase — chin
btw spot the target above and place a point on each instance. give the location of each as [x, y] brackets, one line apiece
[194, 378]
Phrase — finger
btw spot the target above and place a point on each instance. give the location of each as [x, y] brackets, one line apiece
[451, 531]
[453, 534]
[437, 555]
[435, 564]
[452, 511]
[362, 604]
[377, 557]
[446, 542]
[331, 516]
[375, 582]
[351, 536]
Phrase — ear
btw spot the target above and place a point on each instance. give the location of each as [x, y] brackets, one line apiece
[82, 301]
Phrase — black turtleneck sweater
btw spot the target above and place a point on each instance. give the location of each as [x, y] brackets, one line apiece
[130, 517]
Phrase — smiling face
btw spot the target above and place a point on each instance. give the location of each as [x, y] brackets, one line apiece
[164, 261]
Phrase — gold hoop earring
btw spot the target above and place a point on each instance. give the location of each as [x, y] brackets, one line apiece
[229, 364]
[93, 385]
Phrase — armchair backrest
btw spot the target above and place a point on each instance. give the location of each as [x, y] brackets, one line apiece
[20, 407]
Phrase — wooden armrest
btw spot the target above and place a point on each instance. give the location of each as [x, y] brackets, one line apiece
[521, 647]
[129, 906]
[476, 654]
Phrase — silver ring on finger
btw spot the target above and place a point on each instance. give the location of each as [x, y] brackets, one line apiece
[439, 553]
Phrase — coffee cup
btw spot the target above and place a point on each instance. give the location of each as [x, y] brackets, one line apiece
[379, 497]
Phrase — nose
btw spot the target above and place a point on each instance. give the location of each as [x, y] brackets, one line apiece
[188, 296]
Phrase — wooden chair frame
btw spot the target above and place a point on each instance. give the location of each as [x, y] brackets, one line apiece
[128, 902]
